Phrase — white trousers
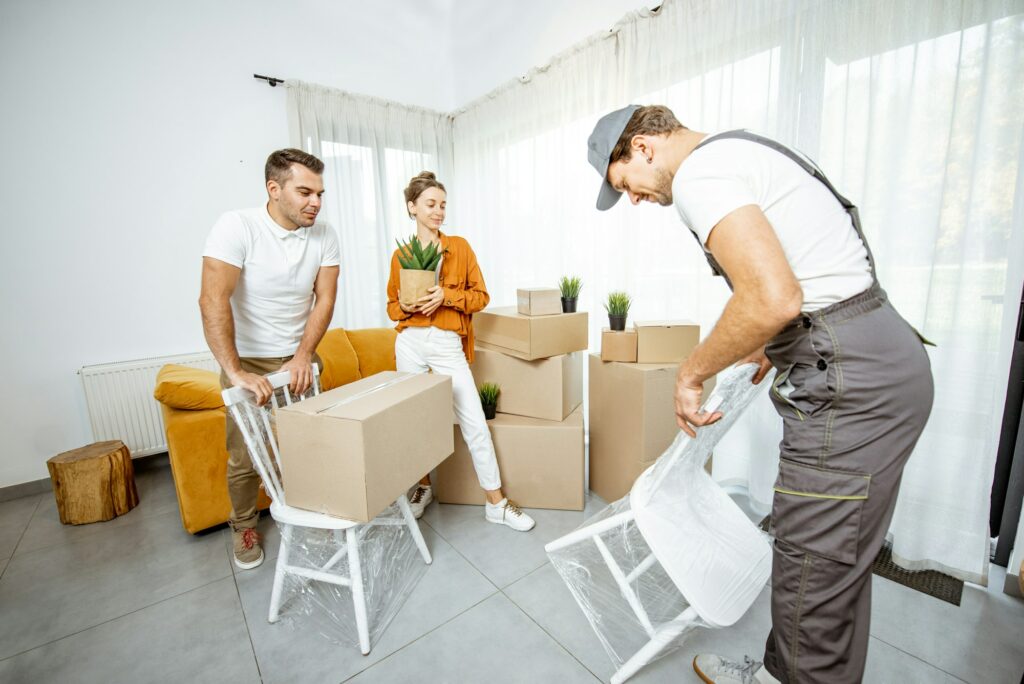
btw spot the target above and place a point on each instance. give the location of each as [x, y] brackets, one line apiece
[418, 350]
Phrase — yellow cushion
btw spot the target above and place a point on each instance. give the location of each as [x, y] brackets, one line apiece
[199, 463]
[184, 387]
[341, 365]
[375, 348]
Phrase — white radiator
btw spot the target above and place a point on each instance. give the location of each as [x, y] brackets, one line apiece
[121, 404]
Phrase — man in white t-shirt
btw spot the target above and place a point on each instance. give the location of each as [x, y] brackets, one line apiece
[853, 383]
[270, 277]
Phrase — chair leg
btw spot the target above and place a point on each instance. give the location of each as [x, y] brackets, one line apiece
[659, 640]
[414, 528]
[358, 599]
[279, 573]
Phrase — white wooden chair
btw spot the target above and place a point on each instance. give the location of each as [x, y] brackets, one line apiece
[260, 439]
[711, 559]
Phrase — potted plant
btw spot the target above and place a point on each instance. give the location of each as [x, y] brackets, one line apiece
[570, 288]
[489, 392]
[419, 269]
[617, 307]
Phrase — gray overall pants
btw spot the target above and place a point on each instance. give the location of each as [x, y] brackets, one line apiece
[854, 389]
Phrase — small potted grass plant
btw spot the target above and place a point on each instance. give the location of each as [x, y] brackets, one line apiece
[419, 269]
[489, 392]
[617, 307]
[570, 287]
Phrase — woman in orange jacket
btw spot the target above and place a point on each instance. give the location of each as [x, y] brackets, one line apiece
[436, 333]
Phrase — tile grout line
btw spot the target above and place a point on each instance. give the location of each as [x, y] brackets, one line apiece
[245, 618]
[88, 538]
[463, 557]
[482, 574]
[21, 537]
[918, 658]
[104, 622]
[141, 516]
[541, 627]
[425, 634]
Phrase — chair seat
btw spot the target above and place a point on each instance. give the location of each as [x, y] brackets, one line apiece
[296, 516]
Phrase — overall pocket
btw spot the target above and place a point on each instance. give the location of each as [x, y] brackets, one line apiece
[819, 509]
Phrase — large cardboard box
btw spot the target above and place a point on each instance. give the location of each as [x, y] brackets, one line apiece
[665, 341]
[545, 388]
[351, 451]
[632, 421]
[539, 301]
[541, 463]
[618, 345]
[506, 330]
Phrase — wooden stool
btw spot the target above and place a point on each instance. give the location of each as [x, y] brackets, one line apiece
[93, 483]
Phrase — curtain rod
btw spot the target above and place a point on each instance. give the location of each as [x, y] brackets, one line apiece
[269, 79]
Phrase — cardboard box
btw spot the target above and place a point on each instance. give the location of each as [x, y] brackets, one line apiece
[632, 421]
[541, 464]
[665, 341]
[506, 330]
[618, 345]
[545, 388]
[351, 451]
[539, 301]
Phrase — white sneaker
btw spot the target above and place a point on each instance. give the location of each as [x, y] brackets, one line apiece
[506, 512]
[714, 669]
[420, 497]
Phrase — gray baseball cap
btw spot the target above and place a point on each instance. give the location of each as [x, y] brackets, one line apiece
[599, 150]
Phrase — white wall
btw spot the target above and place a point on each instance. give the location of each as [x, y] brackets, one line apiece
[127, 128]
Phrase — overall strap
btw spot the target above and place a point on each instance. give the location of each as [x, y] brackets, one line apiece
[807, 166]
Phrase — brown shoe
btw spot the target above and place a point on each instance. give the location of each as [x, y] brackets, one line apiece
[248, 548]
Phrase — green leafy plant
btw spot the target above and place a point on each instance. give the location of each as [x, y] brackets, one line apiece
[617, 304]
[489, 392]
[570, 287]
[412, 255]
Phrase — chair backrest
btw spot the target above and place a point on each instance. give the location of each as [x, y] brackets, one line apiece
[254, 423]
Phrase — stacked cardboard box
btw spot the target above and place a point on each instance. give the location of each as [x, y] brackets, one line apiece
[632, 401]
[650, 342]
[537, 360]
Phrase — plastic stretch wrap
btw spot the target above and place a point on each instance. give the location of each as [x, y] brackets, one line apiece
[391, 567]
[389, 560]
[675, 554]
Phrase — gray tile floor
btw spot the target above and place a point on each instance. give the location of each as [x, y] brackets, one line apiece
[137, 599]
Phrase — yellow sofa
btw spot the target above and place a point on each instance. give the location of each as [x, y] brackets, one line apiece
[194, 413]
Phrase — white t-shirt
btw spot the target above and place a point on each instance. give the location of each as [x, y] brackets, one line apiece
[817, 235]
[274, 296]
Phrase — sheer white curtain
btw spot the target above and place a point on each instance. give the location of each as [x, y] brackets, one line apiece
[913, 108]
[370, 148]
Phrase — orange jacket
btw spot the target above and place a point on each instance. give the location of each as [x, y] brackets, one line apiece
[464, 293]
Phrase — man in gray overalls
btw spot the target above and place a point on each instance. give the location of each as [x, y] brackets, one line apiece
[853, 382]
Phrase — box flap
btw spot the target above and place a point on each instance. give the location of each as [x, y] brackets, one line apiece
[364, 398]
[661, 324]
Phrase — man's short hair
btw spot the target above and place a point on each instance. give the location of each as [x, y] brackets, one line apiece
[279, 164]
[650, 120]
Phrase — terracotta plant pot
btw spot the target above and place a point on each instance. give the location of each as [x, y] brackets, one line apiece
[568, 305]
[617, 322]
[413, 285]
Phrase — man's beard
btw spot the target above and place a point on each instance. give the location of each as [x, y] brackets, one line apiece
[663, 188]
